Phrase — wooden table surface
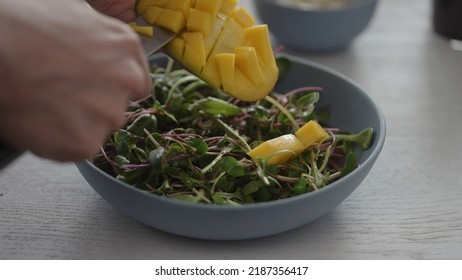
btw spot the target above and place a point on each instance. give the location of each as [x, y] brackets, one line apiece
[409, 207]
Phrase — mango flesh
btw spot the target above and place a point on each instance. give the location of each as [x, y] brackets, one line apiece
[142, 29]
[281, 149]
[310, 133]
[278, 150]
[233, 54]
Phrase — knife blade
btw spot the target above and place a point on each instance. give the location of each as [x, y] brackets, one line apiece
[155, 43]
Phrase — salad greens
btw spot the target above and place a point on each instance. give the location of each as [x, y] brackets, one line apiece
[188, 141]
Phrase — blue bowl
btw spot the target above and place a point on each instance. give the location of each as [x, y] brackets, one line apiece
[315, 30]
[351, 109]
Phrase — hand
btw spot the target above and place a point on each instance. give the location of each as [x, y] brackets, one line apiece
[121, 9]
[66, 76]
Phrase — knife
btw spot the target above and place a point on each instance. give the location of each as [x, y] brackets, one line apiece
[155, 43]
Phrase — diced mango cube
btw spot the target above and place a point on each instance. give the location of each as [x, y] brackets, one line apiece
[243, 17]
[278, 150]
[180, 5]
[160, 3]
[194, 52]
[228, 6]
[259, 36]
[171, 20]
[209, 6]
[226, 65]
[151, 14]
[231, 37]
[210, 74]
[311, 133]
[144, 30]
[245, 89]
[212, 38]
[247, 62]
[142, 5]
[176, 48]
[199, 21]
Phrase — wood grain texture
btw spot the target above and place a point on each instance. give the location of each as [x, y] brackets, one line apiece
[409, 207]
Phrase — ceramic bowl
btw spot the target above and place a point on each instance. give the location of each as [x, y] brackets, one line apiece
[351, 110]
[315, 29]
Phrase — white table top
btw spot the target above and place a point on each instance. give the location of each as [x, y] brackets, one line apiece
[409, 207]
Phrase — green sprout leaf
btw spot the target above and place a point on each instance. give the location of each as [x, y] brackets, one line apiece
[155, 158]
[351, 162]
[200, 146]
[283, 65]
[190, 142]
[215, 106]
[231, 166]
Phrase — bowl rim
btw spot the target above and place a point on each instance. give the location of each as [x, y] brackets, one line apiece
[380, 141]
[353, 6]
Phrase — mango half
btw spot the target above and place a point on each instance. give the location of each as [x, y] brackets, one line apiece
[218, 42]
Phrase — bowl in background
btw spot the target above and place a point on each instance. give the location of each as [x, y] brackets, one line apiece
[351, 110]
[315, 29]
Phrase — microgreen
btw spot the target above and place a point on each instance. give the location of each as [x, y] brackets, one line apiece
[189, 142]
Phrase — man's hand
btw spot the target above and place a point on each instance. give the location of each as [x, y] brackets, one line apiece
[66, 75]
[121, 9]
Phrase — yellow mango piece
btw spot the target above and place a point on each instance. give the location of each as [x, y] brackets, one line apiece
[171, 20]
[144, 30]
[151, 14]
[243, 17]
[199, 21]
[226, 65]
[194, 51]
[209, 6]
[259, 36]
[161, 3]
[247, 62]
[217, 28]
[245, 89]
[278, 150]
[176, 48]
[193, 3]
[210, 74]
[180, 5]
[228, 6]
[142, 5]
[232, 36]
[311, 133]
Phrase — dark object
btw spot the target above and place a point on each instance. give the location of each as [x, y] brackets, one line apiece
[7, 155]
[447, 18]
